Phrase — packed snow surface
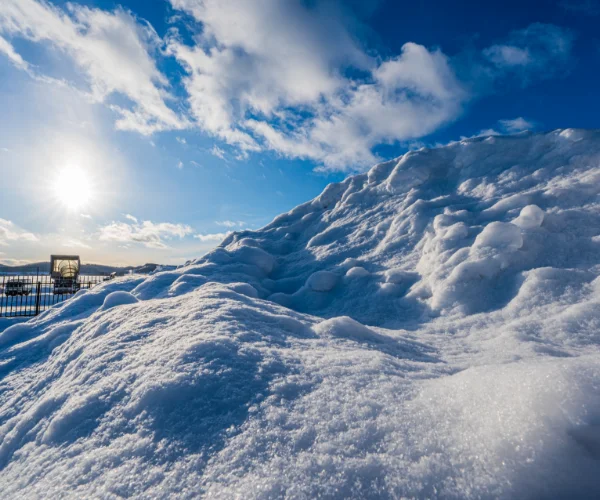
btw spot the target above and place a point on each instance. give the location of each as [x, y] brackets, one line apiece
[430, 328]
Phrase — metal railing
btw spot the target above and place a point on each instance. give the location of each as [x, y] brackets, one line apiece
[30, 295]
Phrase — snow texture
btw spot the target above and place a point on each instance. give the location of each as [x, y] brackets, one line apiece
[428, 329]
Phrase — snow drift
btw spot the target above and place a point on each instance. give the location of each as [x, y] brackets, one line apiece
[430, 328]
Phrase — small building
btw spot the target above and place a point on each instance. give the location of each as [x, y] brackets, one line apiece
[65, 266]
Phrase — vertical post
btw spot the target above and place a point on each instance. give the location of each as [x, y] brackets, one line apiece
[37, 298]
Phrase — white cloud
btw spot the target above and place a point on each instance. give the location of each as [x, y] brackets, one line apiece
[290, 77]
[246, 83]
[113, 49]
[151, 234]
[131, 218]
[179, 164]
[279, 54]
[74, 243]
[7, 49]
[513, 126]
[85, 216]
[516, 125]
[279, 80]
[14, 262]
[214, 237]
[230, 223]
[409, 96]
[10, 232]
[218, 152]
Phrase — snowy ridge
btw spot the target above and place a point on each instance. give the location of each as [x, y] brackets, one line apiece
[430, 328]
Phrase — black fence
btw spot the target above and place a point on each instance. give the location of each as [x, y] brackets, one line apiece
[30, 295]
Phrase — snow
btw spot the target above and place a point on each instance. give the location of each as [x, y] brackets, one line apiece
[428, 329]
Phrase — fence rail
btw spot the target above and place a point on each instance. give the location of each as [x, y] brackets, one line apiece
[30, 295]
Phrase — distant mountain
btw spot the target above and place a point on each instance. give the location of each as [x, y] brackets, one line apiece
[91, 269]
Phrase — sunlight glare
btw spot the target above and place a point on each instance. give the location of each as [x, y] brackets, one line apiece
[72, 188]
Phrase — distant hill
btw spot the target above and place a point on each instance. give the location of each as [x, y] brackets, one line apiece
[91, 269]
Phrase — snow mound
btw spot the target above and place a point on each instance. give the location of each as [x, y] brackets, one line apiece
[428, 329]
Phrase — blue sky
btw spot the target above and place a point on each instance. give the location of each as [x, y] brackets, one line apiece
[142, 131]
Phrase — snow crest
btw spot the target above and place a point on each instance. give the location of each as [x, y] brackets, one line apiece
[428, 329]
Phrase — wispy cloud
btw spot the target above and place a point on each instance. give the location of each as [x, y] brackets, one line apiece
[214, 237]
[587, 7]
[150, 234]
[230, 223]
[14, 262]
[131, 218]
[218, 152]
[74, 243]
[10, 232]
[516, 125]
[113, 49]
[536, 51]
[8, 50]
[512, 126]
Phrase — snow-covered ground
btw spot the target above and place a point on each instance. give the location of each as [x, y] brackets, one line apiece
[429, 329]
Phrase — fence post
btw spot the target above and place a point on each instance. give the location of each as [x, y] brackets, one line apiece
[38, 296]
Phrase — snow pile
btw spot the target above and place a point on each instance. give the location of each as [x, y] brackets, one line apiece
[428, 329]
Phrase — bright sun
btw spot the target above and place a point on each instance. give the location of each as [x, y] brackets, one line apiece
[72, 188]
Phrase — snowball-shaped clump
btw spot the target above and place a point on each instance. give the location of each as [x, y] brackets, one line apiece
[322, 281]
[501, 235]
[120, 298]
[530, 217]
[347, 328]
[357, 272]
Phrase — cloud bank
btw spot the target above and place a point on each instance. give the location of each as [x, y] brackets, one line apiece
[150, 234]
[289, 77]
[10, 233]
